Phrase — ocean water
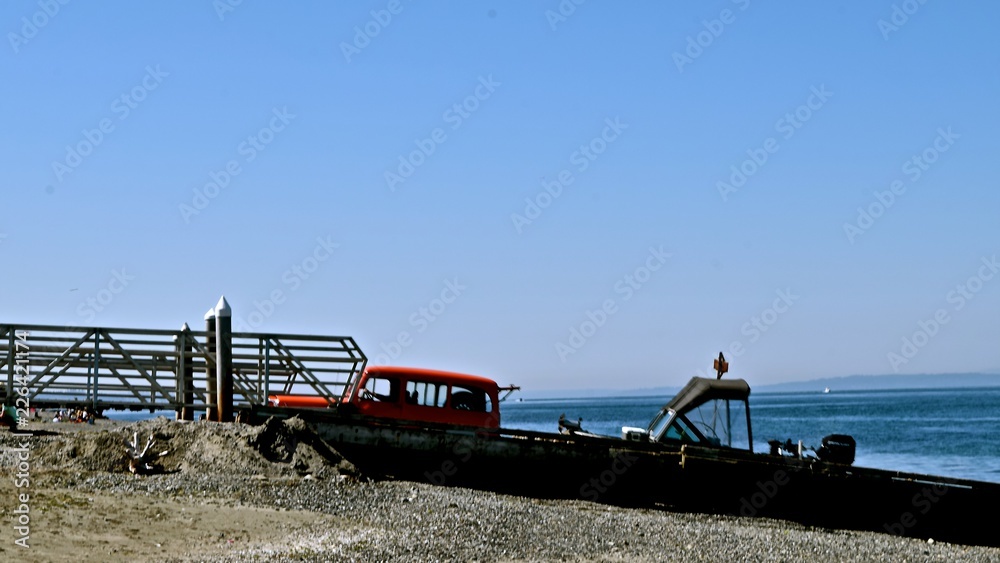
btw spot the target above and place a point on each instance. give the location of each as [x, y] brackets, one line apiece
[951, 432]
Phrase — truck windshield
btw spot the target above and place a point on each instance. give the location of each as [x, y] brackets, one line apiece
[380, 389]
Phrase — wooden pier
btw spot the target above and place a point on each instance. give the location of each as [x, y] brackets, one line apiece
[216, 370]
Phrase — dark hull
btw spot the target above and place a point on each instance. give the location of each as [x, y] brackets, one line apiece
[681, 477]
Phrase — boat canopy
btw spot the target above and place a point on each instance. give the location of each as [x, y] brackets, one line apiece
[701, 389]
[714, 412]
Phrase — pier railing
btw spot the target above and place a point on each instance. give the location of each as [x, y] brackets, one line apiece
[121, 368]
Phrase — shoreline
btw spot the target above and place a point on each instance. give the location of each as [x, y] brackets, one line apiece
[231, 492]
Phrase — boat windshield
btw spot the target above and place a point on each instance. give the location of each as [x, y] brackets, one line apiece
[718, 422]
[681, 429]
[723, 423]
[708, 411]
[659, 423]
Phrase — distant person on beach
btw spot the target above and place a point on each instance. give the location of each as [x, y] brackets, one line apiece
[9, 417]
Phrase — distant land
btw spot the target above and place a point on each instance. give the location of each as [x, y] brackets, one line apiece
[843, 383]
[876, 382]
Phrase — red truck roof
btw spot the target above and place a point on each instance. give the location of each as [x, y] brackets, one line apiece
[428, 395]
[432, 375]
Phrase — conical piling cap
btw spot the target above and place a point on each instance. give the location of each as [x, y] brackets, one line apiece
[184, 328]
[222, 308]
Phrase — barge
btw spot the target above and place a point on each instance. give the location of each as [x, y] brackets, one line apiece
[695, 455]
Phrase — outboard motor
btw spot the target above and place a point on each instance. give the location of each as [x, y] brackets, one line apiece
[837, 448]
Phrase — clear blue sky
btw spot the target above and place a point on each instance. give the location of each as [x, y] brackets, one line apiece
[645, 110]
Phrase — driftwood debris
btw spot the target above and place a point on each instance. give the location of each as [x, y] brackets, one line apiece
[142, 462]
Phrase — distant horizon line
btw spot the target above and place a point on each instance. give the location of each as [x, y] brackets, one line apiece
[819, 383]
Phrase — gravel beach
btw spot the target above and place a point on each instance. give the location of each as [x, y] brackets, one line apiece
[272, 493]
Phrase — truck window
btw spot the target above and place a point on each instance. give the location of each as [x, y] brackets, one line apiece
[426, 394]
[469, 399]
[380, 389]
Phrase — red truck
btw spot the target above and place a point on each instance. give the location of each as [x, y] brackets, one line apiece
[413, 394]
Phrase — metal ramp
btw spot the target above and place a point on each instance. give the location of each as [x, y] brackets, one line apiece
[136, 369]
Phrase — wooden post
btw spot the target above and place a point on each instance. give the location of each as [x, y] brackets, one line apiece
[184, 371]
[11, 356]
[97, 364]
[210, 399]
[178, 370]
[224, 360]
[267, 370]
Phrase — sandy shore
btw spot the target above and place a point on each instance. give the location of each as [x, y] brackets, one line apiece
[239, 493]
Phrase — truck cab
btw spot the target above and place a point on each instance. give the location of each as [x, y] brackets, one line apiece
[425, 395]
[413, 394]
